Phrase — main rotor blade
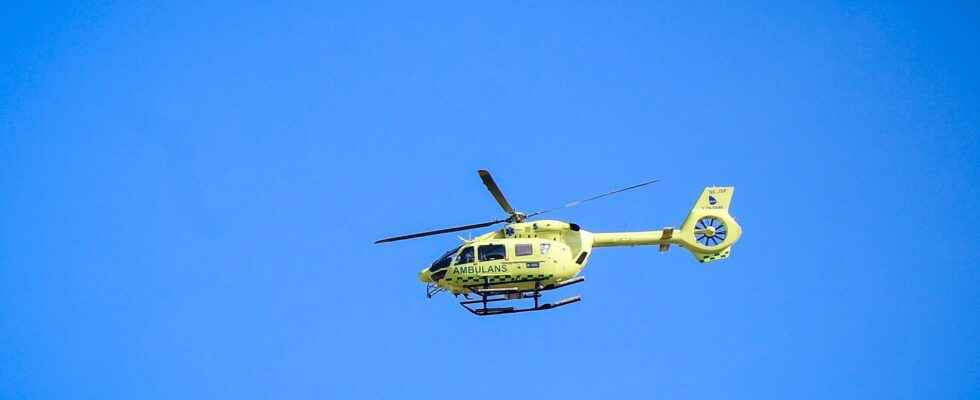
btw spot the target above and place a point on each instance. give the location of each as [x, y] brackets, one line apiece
[495, 191]
[575, 203]
[440, 231]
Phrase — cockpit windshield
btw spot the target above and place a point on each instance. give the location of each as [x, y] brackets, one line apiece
[444, 260]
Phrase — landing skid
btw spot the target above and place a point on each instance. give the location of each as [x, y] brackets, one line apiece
[494, 294]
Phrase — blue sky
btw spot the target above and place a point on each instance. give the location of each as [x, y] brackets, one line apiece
[191, 190]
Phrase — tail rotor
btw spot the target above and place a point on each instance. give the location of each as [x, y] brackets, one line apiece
[710, 231]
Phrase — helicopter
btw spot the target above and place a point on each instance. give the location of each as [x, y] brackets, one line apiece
[527, 257]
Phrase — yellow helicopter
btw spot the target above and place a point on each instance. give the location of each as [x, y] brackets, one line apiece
[525, 257]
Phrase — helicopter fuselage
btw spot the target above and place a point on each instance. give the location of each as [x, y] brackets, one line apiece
[526, 258]
[519, 255]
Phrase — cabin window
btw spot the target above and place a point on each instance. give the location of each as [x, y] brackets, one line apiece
[545, 247]
[581, 257]
[492, 252]
[465, 256]
[522, 249]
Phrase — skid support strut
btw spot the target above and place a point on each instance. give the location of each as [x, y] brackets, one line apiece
[495, 293]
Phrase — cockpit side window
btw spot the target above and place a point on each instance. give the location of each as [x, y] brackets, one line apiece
[465, 256]
[492, 252]
[444, 260]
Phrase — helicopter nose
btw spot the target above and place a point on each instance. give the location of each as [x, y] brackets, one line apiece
[425, 276]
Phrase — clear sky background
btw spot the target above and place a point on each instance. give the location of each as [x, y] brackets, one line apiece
[190, 193]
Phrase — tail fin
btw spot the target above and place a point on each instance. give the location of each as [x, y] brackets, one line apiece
[709, 230]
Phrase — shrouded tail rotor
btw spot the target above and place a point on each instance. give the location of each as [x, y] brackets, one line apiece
[710, 231]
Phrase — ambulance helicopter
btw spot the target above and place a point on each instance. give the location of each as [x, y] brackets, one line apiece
[525, 258]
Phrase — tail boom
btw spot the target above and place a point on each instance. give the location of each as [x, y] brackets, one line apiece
[646, 238]
[708, 232]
